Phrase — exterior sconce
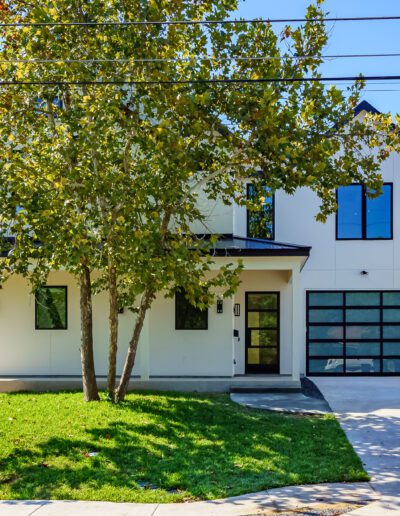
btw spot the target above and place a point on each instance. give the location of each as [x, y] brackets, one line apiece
[236, 309]
[364, 273]
[121, 310]
[220, 306]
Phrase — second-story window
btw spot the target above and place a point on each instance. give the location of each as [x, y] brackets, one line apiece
[361, 218]
[260, 224]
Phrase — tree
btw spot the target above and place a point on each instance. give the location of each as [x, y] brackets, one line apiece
[120, 166]
[44, 200]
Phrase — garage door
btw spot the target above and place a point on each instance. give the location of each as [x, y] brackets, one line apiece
[353, 333]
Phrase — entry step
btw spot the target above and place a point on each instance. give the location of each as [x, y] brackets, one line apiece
[292, 387]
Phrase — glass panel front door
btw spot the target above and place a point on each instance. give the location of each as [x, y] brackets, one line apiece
[262, 332]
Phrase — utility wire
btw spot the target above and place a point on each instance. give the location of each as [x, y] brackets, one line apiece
[196, 22]
[207, 81]
[201, 58]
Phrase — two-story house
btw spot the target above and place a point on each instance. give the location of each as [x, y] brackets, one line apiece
[327, 303]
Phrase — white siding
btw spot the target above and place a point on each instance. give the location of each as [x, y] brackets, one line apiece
[26, 351]
[332, 265]
[219, 217]
[268, 281]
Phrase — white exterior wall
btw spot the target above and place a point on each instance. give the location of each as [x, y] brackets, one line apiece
[268, 281]
[165, 351]
[30, 352]
[334, 264]
[219, 217]
[337, 264]
[190, 352]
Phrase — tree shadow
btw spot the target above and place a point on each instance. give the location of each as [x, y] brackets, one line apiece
[171, 447]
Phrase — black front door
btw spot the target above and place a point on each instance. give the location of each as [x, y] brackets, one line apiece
[262, 332]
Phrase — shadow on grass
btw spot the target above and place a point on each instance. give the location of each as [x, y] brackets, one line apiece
[169, 447]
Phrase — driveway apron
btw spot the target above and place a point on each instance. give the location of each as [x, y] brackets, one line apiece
[368, 409]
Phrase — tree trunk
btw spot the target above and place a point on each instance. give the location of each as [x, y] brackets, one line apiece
[113, 328]
[90, 390]
[145, 303]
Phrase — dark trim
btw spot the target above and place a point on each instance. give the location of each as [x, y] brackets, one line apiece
[65, 288]
[248, 216]
[261, 252]
[286, 248]
[364, 215]
[365, 106]
[251, 368]
[344, 324]
[188, 329]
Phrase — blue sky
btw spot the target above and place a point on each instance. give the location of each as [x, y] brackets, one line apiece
[350, 38]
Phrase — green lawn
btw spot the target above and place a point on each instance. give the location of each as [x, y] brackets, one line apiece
[161, 447]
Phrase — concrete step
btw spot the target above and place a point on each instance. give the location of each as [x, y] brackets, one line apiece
[271, 383]
[277, 388]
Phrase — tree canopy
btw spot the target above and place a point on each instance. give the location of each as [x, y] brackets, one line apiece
[109, 134]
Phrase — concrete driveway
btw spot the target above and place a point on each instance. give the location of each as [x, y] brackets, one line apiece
[369, 412]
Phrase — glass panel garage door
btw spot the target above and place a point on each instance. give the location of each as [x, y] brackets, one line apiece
[353, 333]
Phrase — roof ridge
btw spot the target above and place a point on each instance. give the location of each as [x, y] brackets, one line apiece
[364, 105]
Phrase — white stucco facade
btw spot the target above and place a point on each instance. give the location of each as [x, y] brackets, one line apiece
[163, 350]
[351, 265]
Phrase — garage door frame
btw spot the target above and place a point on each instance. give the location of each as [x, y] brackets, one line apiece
[383, 309]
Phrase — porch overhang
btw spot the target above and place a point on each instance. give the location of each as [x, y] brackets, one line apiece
[281, 255]
[265, 255]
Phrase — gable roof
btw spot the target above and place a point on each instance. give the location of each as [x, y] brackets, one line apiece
[366, 106]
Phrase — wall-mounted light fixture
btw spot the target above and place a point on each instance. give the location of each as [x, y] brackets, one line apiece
[236, 309]
[364, 273]
[121, 310]
[220, 306]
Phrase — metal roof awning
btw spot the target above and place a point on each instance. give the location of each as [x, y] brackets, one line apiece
[231, 245]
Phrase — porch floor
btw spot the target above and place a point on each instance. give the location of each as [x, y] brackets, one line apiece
[161, 383]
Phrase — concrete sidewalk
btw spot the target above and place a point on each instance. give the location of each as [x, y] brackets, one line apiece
[282, 499]
[368, 410]
[291, 402]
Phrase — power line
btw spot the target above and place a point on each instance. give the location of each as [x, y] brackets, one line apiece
[206, 81]
[197, 22]
[201, 58]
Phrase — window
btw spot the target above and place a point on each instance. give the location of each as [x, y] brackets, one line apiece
[260, 224]
[187, 316]
[353, 332]
[51, 308]
[361, 218]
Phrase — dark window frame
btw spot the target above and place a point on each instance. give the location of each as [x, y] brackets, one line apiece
[248, 214]
[177, 311]
[381, 339]
[364, 215]
[65, 288]
[253, 369]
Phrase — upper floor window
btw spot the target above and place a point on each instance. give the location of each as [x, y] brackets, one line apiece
[260, 224]
[361, 218]
[187, 316]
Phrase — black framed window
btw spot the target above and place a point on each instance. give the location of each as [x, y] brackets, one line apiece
[51, 308]
[187, 316]
[353, 332]
[361, 218]
[261, 223]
